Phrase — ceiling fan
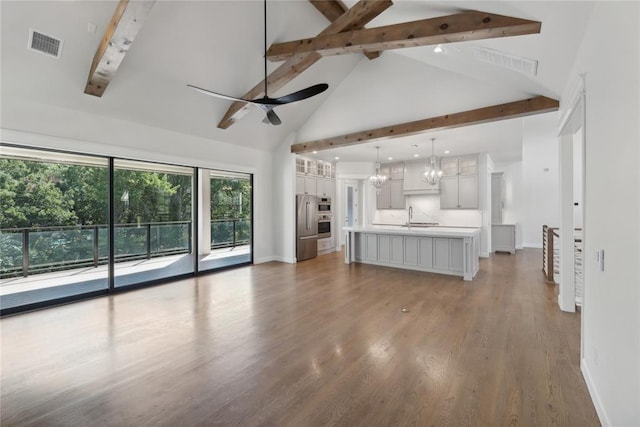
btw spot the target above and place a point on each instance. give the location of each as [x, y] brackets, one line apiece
[266, 103]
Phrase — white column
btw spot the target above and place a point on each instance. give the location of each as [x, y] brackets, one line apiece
[204, 214]
[566, 296]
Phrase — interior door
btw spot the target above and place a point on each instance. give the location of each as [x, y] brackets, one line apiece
[351, 205]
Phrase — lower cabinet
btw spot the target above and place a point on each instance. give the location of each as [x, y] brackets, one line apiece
[425, 254]
[438, 253]
[445, 255]
[503, 238]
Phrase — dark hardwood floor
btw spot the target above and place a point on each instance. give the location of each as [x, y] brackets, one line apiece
[311, 344]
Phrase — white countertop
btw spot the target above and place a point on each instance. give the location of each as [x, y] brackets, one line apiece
[416, 231]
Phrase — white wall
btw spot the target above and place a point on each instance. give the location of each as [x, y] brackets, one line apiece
[46, 126]
[609, 59]
[513, 195]
[284, 202]
[540, 203]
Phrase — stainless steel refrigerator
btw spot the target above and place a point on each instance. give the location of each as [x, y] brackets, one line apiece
[307, 227]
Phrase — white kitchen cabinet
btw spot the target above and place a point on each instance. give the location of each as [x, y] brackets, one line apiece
[326, 187]
[414, 182]
[359, 246]
[390, 249]
[503, 238]
[455, 255]
[425, 252]
[371, 247]
[411, 250]
[449, 192]
[366, 247]
[459, 184]
[396, 245]
[468, 192]
[391, 194]
[404, 249]
[384, 249]
[440, 253]
[306, 184]
[326, 245]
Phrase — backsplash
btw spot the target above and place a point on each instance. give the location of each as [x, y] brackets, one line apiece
[426, 208]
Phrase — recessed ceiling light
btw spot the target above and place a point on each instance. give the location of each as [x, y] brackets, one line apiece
[416, 155]
[438, 49]
[315, 152]
[337, 158]
[390, 158]
[446, 151]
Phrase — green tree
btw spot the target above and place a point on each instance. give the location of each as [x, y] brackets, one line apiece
[31, 195]
[230, 198]
[88, 187]
[141, 196]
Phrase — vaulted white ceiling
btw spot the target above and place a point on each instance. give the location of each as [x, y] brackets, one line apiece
[218, 45]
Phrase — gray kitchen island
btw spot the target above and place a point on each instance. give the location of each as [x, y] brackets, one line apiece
[445, 250]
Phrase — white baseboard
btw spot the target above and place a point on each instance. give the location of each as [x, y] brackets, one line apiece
[484, 255]
[595, 396]
[264, 259]
[532, 245]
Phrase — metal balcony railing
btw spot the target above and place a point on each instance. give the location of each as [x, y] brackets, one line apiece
[230, 232]
[33, 250]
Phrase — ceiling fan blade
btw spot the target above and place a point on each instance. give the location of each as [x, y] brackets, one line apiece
[302, 94]
[218, 95]
[272, 117]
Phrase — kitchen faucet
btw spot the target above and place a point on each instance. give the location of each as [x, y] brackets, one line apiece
[410, 216]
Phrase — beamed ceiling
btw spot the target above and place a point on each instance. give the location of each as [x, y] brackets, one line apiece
[386, 83]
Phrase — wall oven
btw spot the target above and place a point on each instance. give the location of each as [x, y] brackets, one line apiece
[324, 226]
[324, 205]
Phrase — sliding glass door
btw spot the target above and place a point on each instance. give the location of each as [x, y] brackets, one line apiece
[57, 222]
[53, 226]
[227, 214]
[153, 224]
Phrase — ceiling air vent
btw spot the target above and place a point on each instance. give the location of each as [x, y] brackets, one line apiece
[44, 44]
[512, 62]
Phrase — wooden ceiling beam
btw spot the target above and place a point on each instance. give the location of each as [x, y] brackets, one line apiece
[525, 107]
[356, 17]
[332, 10]
[120, 34]
[465, 26]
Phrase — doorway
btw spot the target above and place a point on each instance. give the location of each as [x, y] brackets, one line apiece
[572, 206]
[351, 205]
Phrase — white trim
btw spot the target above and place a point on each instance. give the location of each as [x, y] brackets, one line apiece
[595, 396]
[573, 102]
[286, 260]
[532, 245]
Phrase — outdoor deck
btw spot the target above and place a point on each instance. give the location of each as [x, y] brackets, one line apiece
[19, 291]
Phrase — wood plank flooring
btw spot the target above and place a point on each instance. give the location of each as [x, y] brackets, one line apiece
[311, 344]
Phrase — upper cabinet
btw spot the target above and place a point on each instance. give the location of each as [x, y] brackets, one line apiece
[315, 178]
[459, 183]
[414, 182]
[391, 195]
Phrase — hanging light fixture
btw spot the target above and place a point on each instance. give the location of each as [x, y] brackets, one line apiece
[432, 172]
[377, 179]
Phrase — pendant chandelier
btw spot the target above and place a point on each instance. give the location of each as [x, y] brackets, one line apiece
[377, 179]
[432, 172]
